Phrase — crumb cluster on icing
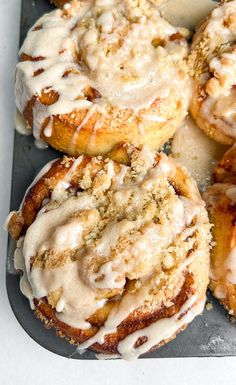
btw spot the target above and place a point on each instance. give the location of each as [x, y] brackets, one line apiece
[121, 50]
[123, 224]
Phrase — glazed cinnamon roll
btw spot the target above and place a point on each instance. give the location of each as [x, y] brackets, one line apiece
[221, 205]
[213, 64]
[114, 256]
[96, 73]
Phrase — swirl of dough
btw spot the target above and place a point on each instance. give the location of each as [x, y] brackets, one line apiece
[99, 72]
[213, 64]
[114, 256]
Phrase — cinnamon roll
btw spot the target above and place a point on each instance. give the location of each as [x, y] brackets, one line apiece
[213, 64]
[99, 72]
[114, 256]
[221, 204]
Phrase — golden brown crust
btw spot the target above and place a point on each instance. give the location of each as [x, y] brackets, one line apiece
[120, 126]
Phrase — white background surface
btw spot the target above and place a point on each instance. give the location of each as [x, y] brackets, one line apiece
[22, 361]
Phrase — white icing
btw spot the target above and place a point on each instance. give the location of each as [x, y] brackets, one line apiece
[120, 312]
[49, 127]
[40, 145]
[8, 218]
[230, 265]
[118, 179]
[20, 124]
[155, 333]
[35, 241]
[64, 183]
[223, 268]
[19, 264]
[42, 172]
[79, 302]
[224, 68]
[160, 330]
[88, 115]
[218, 108]
[216, 25]
[92, 138]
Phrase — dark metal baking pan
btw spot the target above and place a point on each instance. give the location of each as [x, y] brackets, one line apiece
[211, 334]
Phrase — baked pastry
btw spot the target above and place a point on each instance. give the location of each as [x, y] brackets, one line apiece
[114, 256]
[96, 73]
[221, 204]
[213, 64]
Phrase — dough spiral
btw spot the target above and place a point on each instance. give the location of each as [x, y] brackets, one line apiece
[114, 256]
